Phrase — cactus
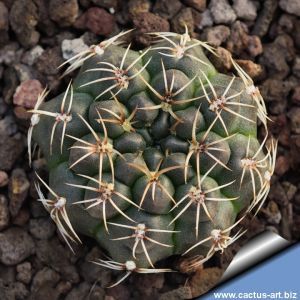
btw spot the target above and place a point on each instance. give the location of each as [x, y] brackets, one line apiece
[153, 153]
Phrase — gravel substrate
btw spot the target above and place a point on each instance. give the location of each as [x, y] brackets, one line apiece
[36, 36]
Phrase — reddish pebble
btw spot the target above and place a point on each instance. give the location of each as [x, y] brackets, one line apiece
[3, 178]
[282, 165]
[27, 93]
[99, 21]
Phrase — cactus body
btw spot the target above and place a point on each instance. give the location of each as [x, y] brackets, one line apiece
[153, 153]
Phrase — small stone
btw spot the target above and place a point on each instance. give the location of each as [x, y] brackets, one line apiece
[165, 10]
[238, 40]
[290, 189]
[294, 116]
[10, 150]
[64, 13]
[222, 12]
[20, 290]
[24, 72]
[6, 291]
[4, 213]
[296, 33]
[266, 16]
[30, 56]
[3, 178]
[286, 23]
[79, 292]
[183, 292]
[277, 55]
[42, 228]
[148, 22]
[49, 61]
[296, 95]
[204, 280]
[282, 165]
[252, 69]
[8, 125]
[118, 290]
[15, 246]
[52, 253]
[99, 21]
[254, 47]
[24, 272]
[197, 4]
[23, 19]
[45, 276]
[3, 18]
[22, 217]
[206, 20]
[222, 61]
[182, 19]
[63, 287]
[17, 190]
[296, 66]
[245, 9]
[70, 48]
[8, 53]
[290, 6]
[10, 84]
[106, 3]
[216, 35]
[91, 272]
[139, 6]
[272, 213]
[27, 93]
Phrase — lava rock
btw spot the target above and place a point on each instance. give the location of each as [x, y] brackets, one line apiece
[4, 213]
[3, 179]
[148, 22]
[49, 61]
[277, 55]
[91, 272]
[70, 48]
[245, 9]
[239, 40]
[205, 21]
[97, 20]
[27, 93]
[197, 4]
[54, 255]
[3, 25]
[63, 12]
[182, 19]
[10, 150]
[265, 18]
[79, 292]
[8, 126]
[42, 228]
[30, 56]
[165, 10]
[294, 116]
[24, 272]
[140, 6]
[254, 70]
[3, 17]
[222, 12]
[290, 6]
[17, 190]
[23, 19]
[216, 35]
[15, 246]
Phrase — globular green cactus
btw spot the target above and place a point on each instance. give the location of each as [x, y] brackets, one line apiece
[153, 153]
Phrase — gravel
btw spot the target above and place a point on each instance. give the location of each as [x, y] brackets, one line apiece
[37, 36]
[15, 246]
[222, 12]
